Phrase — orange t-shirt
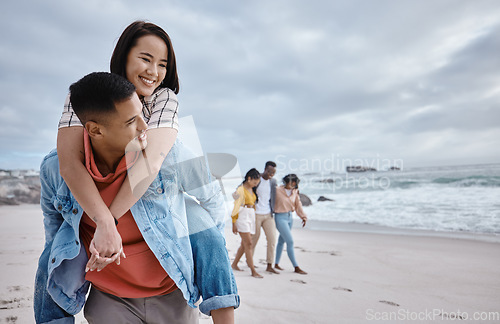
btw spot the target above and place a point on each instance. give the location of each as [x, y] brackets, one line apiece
[140, 274]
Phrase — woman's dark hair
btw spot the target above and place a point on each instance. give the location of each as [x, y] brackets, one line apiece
[291, 178]
[128, 39]
[253, 174]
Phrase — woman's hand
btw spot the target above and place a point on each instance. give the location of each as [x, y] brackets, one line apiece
[304, 221]
[106, 247]
[235, 229]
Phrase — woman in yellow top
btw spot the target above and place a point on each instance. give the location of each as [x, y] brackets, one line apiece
[243, 216]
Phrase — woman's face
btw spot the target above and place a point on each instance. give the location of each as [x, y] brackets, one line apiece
[291, 185]
[147, 64]
[253, 182]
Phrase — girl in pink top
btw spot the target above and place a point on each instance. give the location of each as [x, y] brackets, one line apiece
[287, 202]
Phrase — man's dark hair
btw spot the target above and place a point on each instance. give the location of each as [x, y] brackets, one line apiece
[95, 95]
[270, 163]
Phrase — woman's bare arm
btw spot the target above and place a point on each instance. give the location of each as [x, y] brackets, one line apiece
[144, 171]
[71, 155]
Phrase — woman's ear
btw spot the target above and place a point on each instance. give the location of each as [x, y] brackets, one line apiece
[94, 129]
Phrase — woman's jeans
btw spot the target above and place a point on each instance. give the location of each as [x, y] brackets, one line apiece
[284, 223]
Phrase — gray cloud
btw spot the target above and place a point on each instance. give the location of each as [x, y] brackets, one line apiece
[410, 80]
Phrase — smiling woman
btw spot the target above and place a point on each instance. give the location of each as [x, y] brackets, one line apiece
[147, 64]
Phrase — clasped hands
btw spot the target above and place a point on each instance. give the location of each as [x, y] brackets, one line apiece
[105, 248]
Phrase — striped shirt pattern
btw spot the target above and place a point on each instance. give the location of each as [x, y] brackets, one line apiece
[158, 110]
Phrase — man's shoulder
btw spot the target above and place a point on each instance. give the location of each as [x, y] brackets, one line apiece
[49, 168]
[180, 152]
[50, 161]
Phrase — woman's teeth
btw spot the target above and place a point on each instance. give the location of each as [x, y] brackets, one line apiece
[147, 81]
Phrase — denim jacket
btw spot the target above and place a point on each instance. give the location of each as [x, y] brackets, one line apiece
[60, 285]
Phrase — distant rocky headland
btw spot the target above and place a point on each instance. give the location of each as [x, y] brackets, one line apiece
[19, 187]
[359, 168]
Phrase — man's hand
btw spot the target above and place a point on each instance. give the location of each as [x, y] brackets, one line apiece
[106, 246]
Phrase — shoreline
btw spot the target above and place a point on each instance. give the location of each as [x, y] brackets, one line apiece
[343, 227]
[318, 225]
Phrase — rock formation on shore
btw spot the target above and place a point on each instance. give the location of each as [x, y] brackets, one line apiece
[359, 168]
[306, 201]
[19, 187]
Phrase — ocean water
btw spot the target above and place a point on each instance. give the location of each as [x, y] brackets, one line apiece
[444, 199]
[453, 198]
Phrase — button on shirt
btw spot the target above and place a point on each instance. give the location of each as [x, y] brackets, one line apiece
[264, 192]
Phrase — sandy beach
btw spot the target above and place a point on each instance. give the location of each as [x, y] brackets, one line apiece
[356, 275]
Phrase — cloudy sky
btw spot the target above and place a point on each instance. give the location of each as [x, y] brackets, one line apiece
[307, 84]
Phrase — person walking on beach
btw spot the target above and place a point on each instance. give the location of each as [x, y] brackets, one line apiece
[144, 55]
[288, 201]
[264, 209]
[157, 281]
[243, 216]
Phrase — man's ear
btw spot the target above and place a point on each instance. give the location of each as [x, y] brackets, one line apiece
[94, 129]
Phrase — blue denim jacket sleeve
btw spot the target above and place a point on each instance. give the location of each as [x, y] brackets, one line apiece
[213, 274]
[62, 250]
[46, 310]
[196, 180]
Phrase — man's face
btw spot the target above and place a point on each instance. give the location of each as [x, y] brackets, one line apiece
[125, 130]
[270, 171]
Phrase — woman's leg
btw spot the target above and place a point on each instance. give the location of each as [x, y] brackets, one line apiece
[292, 252]
[246, 241]
[237, 258]
[284, 224]
[279, 218]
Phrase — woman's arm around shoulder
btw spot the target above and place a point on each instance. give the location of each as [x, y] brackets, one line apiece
[161, 115]
[238, 203]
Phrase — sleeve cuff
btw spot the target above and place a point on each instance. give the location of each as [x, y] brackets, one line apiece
[217, 302]
[64, 320]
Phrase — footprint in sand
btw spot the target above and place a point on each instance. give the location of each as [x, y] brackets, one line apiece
[451, 316]
[388, 303]
[299, 281]
[11, 319]
[342, 288]
[334, 253]
[10, 304]
[15, 288]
